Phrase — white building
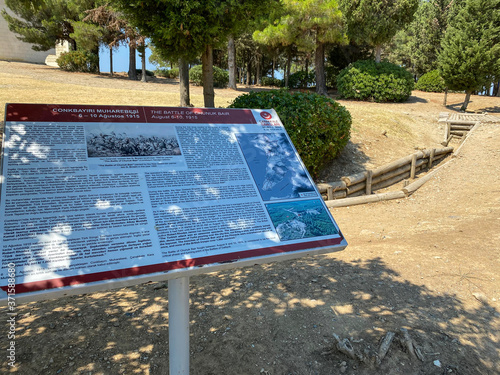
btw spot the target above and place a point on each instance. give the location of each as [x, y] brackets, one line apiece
[12, 49]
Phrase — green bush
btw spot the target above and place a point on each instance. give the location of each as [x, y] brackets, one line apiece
[318, 126]
[167, 73]
[268, 81]
[221, 76]
[301, 79]
[380, 82]
[79, 61]
[431, 82]
[149, 73]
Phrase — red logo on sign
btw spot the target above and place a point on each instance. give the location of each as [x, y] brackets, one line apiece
[266, 115]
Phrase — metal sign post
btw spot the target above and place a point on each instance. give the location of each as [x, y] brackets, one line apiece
[178, 325]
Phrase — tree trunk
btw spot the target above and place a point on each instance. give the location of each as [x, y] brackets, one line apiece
[231, 62]
[288, 66]
[257, 71]
[184, 82]
[143, 60]
[249, 73]
[378, 53]
[274, 67]
[445, 96]
[96, 68]
[468, 93]
[498, 89]
[132, 72]
[319, 62]
[208, 77]
[111, 61]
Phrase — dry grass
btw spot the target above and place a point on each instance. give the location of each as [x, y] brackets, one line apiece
[380, 132]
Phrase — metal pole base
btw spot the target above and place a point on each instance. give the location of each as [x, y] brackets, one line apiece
[178, 325]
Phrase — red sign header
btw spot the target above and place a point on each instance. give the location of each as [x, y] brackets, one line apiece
[101, 113]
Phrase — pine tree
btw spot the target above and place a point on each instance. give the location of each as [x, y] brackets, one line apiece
[310, 25]
[375, 22]
[185, 30]
[471, 47]
[43, 23]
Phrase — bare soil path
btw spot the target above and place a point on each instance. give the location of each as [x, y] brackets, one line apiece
[429, 263]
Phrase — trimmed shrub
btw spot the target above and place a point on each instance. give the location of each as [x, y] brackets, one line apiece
[269, 81]
[79, 61]
[167, 73]
[431, 82]
[221, 76]
[299, 80]
[318, 126]
[380, 82]
[149, 73]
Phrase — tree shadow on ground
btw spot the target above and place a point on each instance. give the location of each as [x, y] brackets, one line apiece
[276, 319]
[456, 107]
[349, 161]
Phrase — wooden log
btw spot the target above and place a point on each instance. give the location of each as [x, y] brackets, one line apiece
[355, 188]
[431, 158]
[368, 189]
[440, 151]
[447, 131]
[459, 133]
[391, 181]
[391, 174]
[365, 199]
[461, 127]
[354, 179]
[445, 143]
[413, 166]
[338, 185]
[462, 122]
[388, 175]
[391, 166]
[331, 194]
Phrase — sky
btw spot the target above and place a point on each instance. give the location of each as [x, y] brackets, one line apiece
[120, 60]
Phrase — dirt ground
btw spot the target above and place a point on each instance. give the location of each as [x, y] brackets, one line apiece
[429, 264]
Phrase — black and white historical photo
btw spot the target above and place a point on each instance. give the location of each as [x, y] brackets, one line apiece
[131, 140]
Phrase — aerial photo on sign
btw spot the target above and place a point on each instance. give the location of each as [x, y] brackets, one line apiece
[275, 166]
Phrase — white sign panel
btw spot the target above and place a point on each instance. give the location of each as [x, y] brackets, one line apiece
[93, 194]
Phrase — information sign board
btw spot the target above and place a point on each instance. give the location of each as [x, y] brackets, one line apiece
[94, 197]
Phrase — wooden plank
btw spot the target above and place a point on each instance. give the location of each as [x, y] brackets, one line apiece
[365, 199]
[413, 166]
[391, 181]
[355, 188]
[338, 185]
[368, 189]
[431, 158]
[355, 178]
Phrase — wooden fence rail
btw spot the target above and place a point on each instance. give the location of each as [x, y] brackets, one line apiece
[368, 182]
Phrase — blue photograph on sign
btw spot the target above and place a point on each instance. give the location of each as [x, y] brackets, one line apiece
[275, 167]
[301, 219]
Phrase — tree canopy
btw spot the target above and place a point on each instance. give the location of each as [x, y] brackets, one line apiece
[375, 22]
[43, 23]
[471, 47]
[310, 25]
[188, 29]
